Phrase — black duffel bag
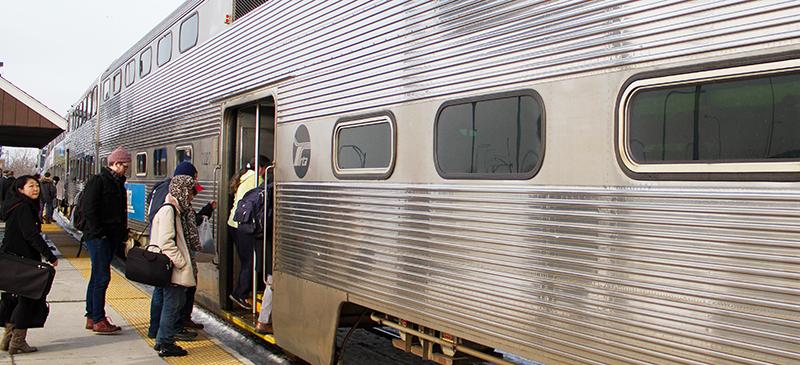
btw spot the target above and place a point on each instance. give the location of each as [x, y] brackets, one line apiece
[148, 267]
[25, 277]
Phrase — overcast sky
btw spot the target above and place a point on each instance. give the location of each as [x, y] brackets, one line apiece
[53, 49]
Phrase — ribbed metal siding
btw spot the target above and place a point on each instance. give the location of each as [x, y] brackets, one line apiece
[618, 275]
[362, 55]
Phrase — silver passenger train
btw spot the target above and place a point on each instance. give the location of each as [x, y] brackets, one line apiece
[574, 182]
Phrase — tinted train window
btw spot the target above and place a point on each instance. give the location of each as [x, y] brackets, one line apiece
[740, 120]
[141, 164]
[117, 82]
[493, 137]
[145, 62]
[130, 72]
[160, 162]
[165, 49]
[364, 146]
[188, 35]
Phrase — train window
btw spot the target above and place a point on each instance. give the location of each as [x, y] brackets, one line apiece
[188, 35]
[94, 101]
[490, 137]
[141, 164]
[104, 161]
[130, 72]
[183, 153]
[117, 82]
[736, 120]
[145, 62]
[106, 89]
[160, 162]
[164, 49]
[364, 147]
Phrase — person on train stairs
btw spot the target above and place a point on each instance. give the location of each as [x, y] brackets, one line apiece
[244, 241]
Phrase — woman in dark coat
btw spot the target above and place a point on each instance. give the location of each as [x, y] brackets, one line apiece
[22, 238]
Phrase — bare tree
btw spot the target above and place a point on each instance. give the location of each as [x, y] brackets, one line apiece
[21, 161]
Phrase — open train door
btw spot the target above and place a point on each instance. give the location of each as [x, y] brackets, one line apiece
[249, 131]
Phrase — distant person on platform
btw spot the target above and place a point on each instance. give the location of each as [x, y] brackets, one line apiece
[59, 192]
[6, 180]
[46, 197]
[105, 208]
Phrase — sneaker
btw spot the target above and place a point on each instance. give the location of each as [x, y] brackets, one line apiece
[264, 328]
[90, 323]
[240, 302]
[104, 328]
[189, 323]
[185, 335]
[171, 349]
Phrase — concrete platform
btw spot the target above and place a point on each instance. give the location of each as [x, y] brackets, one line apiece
[64, 340]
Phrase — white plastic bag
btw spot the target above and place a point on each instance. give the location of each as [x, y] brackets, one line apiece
[206, 233]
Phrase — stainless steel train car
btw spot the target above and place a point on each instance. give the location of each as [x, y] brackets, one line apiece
[574, 182]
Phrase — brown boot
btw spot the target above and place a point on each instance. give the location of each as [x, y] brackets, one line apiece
[18, 344]
[6, 337]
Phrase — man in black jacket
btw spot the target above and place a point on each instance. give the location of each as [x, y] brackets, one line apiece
[105, 210]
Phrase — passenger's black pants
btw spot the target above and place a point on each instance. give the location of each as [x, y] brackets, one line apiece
[244, 249]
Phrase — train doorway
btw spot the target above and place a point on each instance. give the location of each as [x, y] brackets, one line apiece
[246, 259]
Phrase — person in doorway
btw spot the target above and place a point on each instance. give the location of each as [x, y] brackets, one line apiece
[47, 195]
[245, 242]
[264, 323]
[105, 210]
[22, 238]
[168, 234]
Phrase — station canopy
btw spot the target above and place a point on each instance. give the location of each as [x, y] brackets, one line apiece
[24, 121]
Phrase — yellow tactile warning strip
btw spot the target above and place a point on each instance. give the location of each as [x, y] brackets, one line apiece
[133, 304]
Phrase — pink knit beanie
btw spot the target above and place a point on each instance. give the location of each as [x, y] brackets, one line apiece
[119, 155]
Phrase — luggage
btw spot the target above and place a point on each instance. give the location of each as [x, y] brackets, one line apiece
[148, 267]
[25, 277]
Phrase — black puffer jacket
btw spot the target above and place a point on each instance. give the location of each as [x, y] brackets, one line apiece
[23, 229]
[105, 207]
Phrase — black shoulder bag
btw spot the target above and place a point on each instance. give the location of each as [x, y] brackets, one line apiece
[23, 276]
[150, 267]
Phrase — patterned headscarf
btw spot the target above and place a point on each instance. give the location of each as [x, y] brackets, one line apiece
[180, 189]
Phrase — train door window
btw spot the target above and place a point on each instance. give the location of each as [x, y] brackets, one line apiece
[141, 164]
[145, 62]
[106, 89]
[164, 49]
[183, 153]
[160, 162]
[188, 35]
[732, 121]
[117, 82]
[364, 147]
[490, 137]
[130, 72]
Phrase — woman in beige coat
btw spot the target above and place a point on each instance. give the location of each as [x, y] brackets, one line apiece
[167, 234]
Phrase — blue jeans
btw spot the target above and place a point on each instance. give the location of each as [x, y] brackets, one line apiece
[174, 296]
[101, 252]
[156, 307]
